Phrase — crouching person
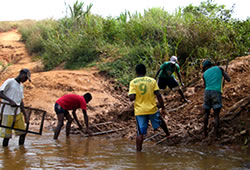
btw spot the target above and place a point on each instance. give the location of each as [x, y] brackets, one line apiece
[71, 102]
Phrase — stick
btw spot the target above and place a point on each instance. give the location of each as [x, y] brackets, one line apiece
[147, 139]
[104, 123]
[105, 132]
[175, 109]
[162, 140]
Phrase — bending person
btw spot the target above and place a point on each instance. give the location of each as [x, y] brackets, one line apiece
[166, 77]
[71, 102]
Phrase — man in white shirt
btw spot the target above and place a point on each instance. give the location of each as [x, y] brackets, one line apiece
[11, 91]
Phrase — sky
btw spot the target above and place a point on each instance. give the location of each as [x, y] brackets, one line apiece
[11, 10]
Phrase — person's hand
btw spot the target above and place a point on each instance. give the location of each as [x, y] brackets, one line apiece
[13, 104]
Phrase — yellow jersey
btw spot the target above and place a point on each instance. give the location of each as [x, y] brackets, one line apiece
[145, 101]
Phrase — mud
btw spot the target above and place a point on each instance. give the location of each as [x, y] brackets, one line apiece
[110, 103]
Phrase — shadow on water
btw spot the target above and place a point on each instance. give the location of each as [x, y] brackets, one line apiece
[101, 153]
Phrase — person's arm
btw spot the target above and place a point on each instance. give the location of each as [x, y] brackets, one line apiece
[225, 75]
[132, 97]
[3, 96]
[86, 119]
[157, 73]
[26, 117]
[160, 101]
[204, 81]
[76, 119]
[179, 77]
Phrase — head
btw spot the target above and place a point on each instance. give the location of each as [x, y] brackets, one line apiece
[206, 64]
[24, 75]
[87, 97]
[140, 70]
[173, 59]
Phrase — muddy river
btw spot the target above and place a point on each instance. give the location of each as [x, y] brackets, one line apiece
[42, 152]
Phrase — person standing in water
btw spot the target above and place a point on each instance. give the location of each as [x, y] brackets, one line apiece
[142, 90]
[71, 102]
[11, 92]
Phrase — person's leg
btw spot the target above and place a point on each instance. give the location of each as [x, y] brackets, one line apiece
[139, 141]
[141, 125]
[6, 133]
[172, 83]
[20, 124]
[162, 83]
[60, 118]
[68, 125]
[182, 95]
[217, 120]
[6, 142]
[163, 125]
[207, 112]
[22, 139]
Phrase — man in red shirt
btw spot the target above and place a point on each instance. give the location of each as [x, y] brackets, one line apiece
[71, 102]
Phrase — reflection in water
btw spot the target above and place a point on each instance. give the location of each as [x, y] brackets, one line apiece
[99, 153]
[14, 159]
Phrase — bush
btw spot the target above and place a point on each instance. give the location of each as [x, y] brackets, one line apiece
[118, 44]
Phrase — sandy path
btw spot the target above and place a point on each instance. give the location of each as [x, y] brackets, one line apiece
[46, 87]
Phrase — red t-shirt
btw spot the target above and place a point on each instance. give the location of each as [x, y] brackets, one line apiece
[72, 102]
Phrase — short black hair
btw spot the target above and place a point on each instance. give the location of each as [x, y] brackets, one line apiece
[140, 69]
[87, 97]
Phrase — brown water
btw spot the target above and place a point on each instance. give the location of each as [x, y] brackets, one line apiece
[42, 152]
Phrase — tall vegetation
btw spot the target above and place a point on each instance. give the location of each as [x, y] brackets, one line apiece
[118, 44]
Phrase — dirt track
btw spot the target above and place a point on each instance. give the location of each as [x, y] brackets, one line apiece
[185, 121]
[47, 87]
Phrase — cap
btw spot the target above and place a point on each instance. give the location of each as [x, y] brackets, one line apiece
[27, 71]
[173, 59]
[206, 63]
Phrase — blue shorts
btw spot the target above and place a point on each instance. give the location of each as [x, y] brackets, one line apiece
[142, 122]
[212, 99]
[170, 82]
[60, 110]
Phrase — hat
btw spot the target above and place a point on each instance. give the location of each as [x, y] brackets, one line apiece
[206, 63]
[27, 72]
[173, 59]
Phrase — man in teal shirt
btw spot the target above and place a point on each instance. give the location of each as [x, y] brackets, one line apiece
[166, 77]
[212, 78]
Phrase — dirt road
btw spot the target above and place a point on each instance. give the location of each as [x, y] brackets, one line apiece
[47, 87]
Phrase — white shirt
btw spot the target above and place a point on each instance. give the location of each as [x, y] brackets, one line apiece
[13, 90]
